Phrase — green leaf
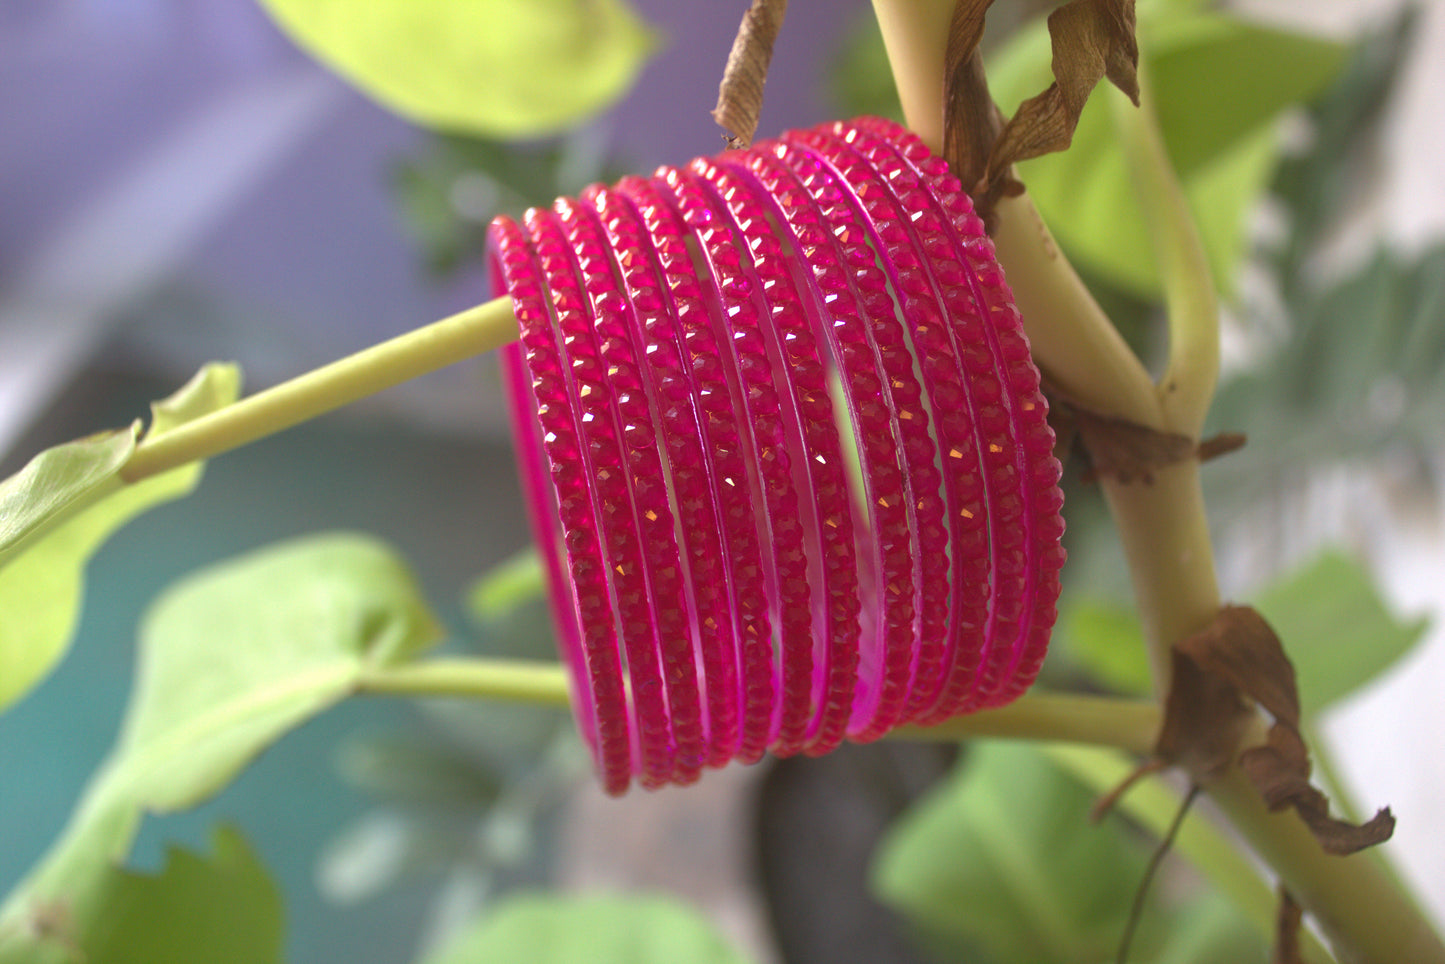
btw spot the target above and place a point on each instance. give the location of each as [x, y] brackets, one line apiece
[1105, 638]
[231, 658]
[1208, 930]
[545, 929]
[1218, 83]
[1002, 856]
[501, 68]
[218, 909]
[1335, 628]
[58, 510]
[514, 582]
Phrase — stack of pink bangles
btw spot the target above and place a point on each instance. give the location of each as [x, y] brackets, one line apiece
[784, 449]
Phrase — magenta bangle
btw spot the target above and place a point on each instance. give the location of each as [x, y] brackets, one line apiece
[724, 465]
[814, 448]
[1033, 440]
[951, 398]
[844, 280]
[701, 573]
[719, 587]
[585, 626]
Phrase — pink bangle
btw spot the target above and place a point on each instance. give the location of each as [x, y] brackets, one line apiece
[842, 280]
[603, 463]
[585, 620]
[724, 463]
[952, 400]
[674, 379]
[1033, 438]
[737, 317]
[814, 447]
[650, 513]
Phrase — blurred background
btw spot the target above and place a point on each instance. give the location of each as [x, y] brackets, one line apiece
[178, 183]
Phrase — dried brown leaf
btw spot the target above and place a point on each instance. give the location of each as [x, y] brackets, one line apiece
[1092, 39]
[1205, 718]
[1280, 772]
[1221, 444]
[1241, 648]
[1217, 672]
[1126, 450]
[1286, 931]
[740, 95]
[972, 122]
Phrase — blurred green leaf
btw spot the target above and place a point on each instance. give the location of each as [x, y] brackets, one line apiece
[231, 658]
[502, 68]
[1335, 628]
[450, 191]
[544, 929]
[218, 909]
[58, 510]
[1357, 377]
[1002, 856]
[1218, 83]
[859, 76]
[1209, 930]
[1106, 640]
[511, 583]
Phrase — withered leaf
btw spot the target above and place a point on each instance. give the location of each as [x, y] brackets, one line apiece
[1092, 39]
[1240, 648]
[1280, 772]
[1126, 450]
[1237, 656]
[740, 95]
[972, 121]
[1286, 930]
[1205, 717]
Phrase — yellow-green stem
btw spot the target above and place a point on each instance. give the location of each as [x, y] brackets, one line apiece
[1354, 900]
[520, 681]
[1127, 725]
[1152, 803]
[1187, 386]
[463, 335]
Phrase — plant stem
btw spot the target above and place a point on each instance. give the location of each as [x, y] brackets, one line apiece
[1073, 341]
[1187, 387]
[521, 681]
[1354, 899]
[462, 336]
[1125, 724]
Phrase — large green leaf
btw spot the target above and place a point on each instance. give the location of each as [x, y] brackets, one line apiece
[58, 510]
[218, 909]
[1002, 857]
[230, 660]
[1218, 83]
[1337, 631]
[544, 929]
[500, 68]
[1335, 628]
